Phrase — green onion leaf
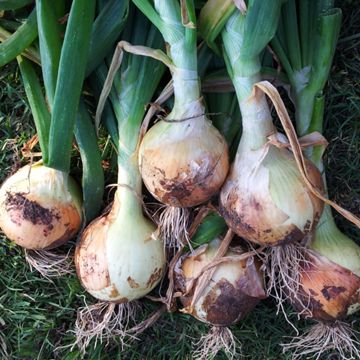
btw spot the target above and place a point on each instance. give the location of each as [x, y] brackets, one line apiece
[13, 4]
[19, 40]
[69, 83]
[37, 103]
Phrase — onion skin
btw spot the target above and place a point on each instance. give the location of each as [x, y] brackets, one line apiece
[330, 291]
[253, 210]
[119, 259]
[183, 164]
[40, 208]
[233, 291]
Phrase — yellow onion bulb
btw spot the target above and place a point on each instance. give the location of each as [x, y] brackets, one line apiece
[328, 291]
[234, 289]
[265, 199]
[184, 163]
[40, 207]
[120, 257]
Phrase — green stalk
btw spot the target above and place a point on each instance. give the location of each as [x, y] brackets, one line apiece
[106, 30]
[13, 4]
[304, 12]
[244, 38]
[291, 34]
[139, 79]
[19, 40]
[30, 53]
[69, 83]
[50, 46]
[37, 103]
[93, 175]
[182, 48]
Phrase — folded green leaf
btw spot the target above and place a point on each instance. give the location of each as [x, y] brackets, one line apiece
[19, 40]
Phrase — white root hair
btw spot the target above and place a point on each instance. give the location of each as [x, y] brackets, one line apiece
[173, 223]
[323, 337]
[104, 321]
[49, 264]
[218, 338]
[284, 265]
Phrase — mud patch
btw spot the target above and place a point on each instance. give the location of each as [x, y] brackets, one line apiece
[30, 210]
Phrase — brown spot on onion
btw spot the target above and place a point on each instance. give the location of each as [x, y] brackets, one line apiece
[154, 277]
[249, 207]
[188, 167]
[133, 284]
[234, 289]
[328, 288]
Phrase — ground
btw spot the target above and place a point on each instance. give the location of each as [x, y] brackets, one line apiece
[37, 317]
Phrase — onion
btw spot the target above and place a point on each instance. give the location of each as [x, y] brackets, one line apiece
[265, 199]
[329, 292]
[40, 207]
[184, 164]
[235, 287]
[220, 296]
[183, 159]
[120, 257]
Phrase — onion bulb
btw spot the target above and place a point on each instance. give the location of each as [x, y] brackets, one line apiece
[184, 163]
[265, 199]
[235, 287]
[40, 207]
[120, 257]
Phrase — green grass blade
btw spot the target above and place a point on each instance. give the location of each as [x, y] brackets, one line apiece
[50, 46]
[13, 4]
[19, 40]
[37, 104]
[106, 30]
[69, 84]
[92, 174]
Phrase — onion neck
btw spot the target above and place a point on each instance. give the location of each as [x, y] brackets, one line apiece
[186, 93]
[256, 117]
[127, 199]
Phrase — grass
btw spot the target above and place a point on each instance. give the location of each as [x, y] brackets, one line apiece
[37, 316]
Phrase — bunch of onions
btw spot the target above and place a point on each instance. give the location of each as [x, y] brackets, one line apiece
[330, 275]
[183, 159]
[41, 205]
[218, 286]
[120, 256]
[264, 199]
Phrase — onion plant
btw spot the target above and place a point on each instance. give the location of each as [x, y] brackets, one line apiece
[265, 198]
[120, 256]
[305, 45]
[183, 159]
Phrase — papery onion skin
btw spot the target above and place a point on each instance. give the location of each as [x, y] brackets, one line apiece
[40, 208]
[183, 164]
[234, 290]
[330, 291]
[108, 257]
[259, 208]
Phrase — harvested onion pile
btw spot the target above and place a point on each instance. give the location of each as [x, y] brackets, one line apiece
[234, 209]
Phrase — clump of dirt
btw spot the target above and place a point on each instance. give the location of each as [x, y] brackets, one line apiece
[31, 210]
